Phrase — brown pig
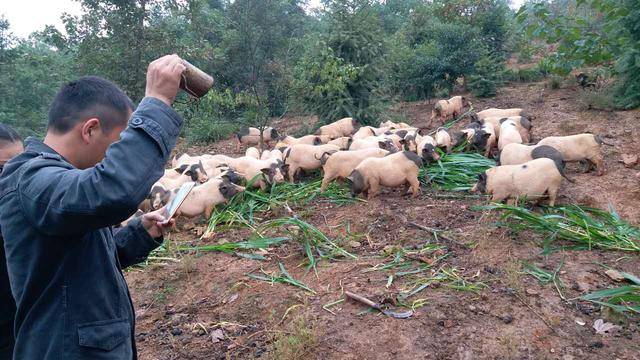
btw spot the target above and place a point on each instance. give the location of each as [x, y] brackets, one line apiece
[394, 170]
[532, 180]
[578, 148]
[287, 141]
[251, 136]
[342, 142]
[374, 142]
[203, 198]
[265, 172]
[499, 113]
[515, 154]
[342, 163]
[252, 152]
[522, 123]
[393, 125]
[446, 109]
[306, 157]
[343, 127]
[364, 132]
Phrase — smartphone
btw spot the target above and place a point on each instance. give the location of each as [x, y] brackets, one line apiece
[177, 200]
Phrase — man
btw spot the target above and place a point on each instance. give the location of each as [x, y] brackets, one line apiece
[58, 201]
[10, 146]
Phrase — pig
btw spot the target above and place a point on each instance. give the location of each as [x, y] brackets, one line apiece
[290, 140]
[273, 154]
[251, 136]
[374, 142]
[203, 199]
[343, 127]
[500, 113]
[364, 132]
[578, 148]
[516, 154]
[484, 139]
[342, 142]
[342, 163]
[264, 172]
[427, 149]
[196, 171]
[396, 138]
[508, 134]
[185, 159]
[252, 152]
[411, 140]
[522, 123]
[393, 125]
[306, 157]
[452, 108]
[158, 197]
[534, 180]
[443, 140]
[393, 170]
[171, 184]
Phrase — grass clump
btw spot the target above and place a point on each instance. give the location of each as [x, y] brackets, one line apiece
[587, 227]
[283, 278]
[314, 241]
[455, 171]
[622, 299]
[298, 340]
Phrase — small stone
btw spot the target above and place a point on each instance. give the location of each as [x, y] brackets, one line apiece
[472, 308]
[531, 292]
[507, 319]
[217, 336]
[354, 244]
[615, 275]
[629, 160]
[567, 357]
[596, 345]
[176, 331]
[580, 322]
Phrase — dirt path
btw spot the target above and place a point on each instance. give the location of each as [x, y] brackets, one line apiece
[478, 303]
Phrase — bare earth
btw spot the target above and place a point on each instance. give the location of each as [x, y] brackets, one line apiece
[204, 306]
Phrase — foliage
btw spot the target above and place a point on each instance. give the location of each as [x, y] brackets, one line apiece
[587, 227]
[590, 33]
[341, 74]
[489, 73]
[455, 171]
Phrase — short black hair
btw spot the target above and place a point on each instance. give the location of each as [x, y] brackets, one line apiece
[8, 134]
[85, 98]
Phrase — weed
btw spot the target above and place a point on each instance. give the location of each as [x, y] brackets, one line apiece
[163, 292]
[298, 340]
[622, 299]
[555, 82]
[284, 278]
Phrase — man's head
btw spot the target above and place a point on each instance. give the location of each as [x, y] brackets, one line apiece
[10, 144]
[86, 116]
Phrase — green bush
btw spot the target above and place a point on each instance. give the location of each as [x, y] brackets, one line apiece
[217, 115]
[525, 75]
[482, 87]
[555, 82]
[489, 73]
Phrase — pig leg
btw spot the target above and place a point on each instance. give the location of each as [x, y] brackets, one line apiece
[238, 145]
[328, 177]
[292, 172]
[374, 188]
[553, 193]
[415, 186]
[599, 162]
[207, 211]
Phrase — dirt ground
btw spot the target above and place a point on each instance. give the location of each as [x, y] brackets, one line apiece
[204, 306]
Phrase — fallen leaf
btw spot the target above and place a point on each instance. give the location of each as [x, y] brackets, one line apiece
[580, 322]
[602, 327]
[217, 336]
[629, 160]
[614, 275]
[232, 298]
[531, 292]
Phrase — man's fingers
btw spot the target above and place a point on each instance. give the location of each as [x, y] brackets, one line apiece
[178, 68]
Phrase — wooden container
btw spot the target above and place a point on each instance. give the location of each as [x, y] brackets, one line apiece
[195, 82]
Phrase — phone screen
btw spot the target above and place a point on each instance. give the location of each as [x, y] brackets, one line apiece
[177, 200]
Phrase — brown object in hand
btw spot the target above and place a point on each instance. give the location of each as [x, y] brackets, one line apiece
[195, 81]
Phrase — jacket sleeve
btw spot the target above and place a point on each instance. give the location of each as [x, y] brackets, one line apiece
[134, 243]
[59, 200]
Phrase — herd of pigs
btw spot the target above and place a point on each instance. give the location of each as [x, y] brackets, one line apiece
[390, 155]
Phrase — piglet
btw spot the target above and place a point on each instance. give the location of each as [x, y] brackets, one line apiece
[203, 198]
[341, 164]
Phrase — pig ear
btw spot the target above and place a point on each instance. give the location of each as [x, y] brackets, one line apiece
[285, 167]
[181, 168]
[486, 135]
[382, 144]
[265, 170]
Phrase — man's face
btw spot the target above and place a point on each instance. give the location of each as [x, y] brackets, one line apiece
[8, 150]
[101, 140]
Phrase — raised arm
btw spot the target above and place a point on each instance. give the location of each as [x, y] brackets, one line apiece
[63, 200]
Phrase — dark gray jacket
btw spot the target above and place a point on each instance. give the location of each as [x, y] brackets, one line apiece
[63, 258]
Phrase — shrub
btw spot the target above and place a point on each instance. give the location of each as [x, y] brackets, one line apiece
[555, 82]
[525, 75]
[489, 72]
[598, 98]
